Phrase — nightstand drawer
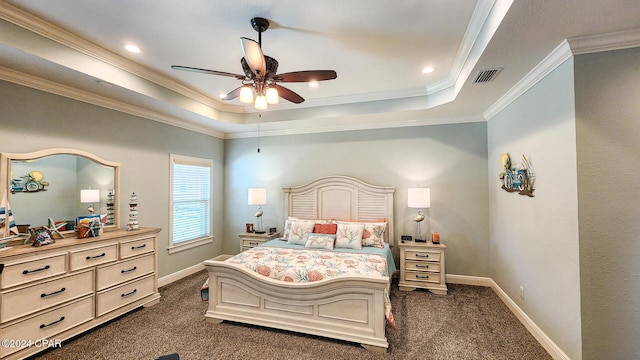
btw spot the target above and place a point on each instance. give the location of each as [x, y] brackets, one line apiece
[422, 276]
[422, 266]
[249, 243]
[422, 255]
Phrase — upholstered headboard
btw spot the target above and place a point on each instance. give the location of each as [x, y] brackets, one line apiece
[341, 198]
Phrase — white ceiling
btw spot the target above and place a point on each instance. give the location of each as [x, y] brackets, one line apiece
[377, 47]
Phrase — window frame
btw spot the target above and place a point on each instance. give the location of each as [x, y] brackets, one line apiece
[207, 239]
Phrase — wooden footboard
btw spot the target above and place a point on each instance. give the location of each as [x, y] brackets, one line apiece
[350, 309]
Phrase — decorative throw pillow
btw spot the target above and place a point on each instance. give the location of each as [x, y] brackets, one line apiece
[299, 232]
[320, 241]
[349, 236]
[320, 228]
[373, 234]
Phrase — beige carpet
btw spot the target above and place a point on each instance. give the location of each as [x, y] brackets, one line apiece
[469, 323]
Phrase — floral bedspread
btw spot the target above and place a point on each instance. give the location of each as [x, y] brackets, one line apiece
[305, 265]
[298, 265]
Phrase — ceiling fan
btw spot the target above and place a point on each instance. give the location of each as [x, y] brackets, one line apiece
[260, 73]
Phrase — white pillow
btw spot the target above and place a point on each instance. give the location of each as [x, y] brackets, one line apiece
[349, 236]
[299, 231]
[320, 241]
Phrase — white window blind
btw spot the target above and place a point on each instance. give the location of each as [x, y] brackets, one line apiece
[191, 199]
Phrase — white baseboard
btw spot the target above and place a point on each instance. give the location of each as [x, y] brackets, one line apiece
[537, 333]
[166, 280]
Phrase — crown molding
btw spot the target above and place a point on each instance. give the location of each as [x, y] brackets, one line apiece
[66, 38]
[31, 81]
[567, 49]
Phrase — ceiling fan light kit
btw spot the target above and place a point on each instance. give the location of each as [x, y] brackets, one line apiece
[260, 74]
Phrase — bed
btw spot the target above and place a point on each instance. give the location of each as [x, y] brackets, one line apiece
[350, 307]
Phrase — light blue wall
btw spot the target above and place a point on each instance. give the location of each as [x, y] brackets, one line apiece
[32, 120]
[608, 151]
[450, 159]
[534, 241]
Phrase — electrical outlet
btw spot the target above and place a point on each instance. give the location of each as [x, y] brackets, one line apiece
[522, 292]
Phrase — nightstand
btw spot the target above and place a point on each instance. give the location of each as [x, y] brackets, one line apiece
[249, 240]
[422, 266]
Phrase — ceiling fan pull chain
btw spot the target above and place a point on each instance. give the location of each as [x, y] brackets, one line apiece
[259, 117]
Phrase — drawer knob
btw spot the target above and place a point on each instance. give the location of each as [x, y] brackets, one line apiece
[422, 256]
[422, 277]
[129, 270]
[42, 326]
[254, 243]
[129, 293]
[96, 256]
[138, 247]
[43, 295]
[422, 266]
[47, 267]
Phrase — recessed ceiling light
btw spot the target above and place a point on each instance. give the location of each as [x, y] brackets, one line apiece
[314, 84]
[132, 48]
[427, 70]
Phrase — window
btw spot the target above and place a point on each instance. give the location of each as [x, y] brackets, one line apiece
[190, 201]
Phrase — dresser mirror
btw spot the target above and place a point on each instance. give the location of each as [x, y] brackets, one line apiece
[47, 184]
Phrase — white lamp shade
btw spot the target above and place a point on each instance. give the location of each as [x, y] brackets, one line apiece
[257, 196]
[89, 195]
[419, 198]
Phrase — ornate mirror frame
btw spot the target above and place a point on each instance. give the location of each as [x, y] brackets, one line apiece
[6, 176]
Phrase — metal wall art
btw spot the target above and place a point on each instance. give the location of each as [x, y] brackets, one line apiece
[517, 180]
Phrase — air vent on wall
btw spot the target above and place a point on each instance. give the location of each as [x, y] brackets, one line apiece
[486, 75]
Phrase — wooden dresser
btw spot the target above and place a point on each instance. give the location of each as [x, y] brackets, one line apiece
[422, 266]
[51, 293]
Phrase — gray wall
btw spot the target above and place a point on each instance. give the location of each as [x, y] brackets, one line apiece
[32, 120]
[450, 159]
[534, 241]
[608, 149]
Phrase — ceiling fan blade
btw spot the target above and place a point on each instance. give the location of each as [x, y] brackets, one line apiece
[306, 76]
[233, 94]
[207, 71]
[287, 94]
[253, 54]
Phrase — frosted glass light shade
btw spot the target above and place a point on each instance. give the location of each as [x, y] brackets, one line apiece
[246, 95]
[261, 102]
[257, 196]
[419, 198]
[272, 95]
[89, 195]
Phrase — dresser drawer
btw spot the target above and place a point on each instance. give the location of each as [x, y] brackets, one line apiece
[122, 295]
[422, 276]
[97, 255]
[422, 266]
[47, 324]
[113, 274]
[32, 269]
[422, 255]
[30, 299]
[137, 247]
